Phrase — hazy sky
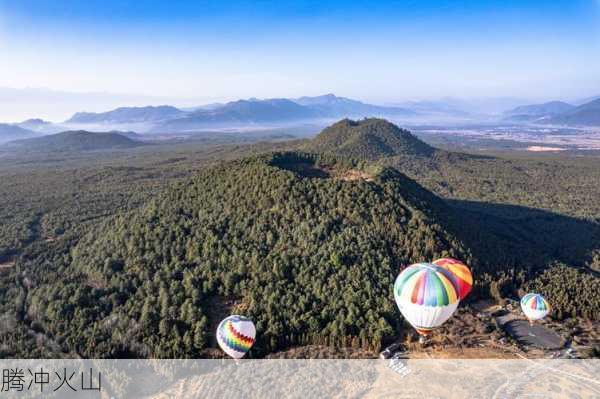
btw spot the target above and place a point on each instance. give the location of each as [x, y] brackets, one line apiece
[371, 50]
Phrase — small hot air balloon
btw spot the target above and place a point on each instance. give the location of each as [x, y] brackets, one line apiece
[534, 306]
[235, 335]
[425, 296]
[461, 275]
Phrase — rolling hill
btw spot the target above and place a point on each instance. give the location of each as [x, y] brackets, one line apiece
[368, 139]
[41, 126]
[10, 132]
[587, 114]
[537, 111]
[126, 115]
[74, 141]
[33, 124]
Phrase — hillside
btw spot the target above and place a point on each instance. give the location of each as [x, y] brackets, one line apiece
[10, 132]
[332, 106]
[368, 139]
[587, 114]
[536, 111]
[127, 115]
[245, 224]
[34, 124]
[41, 126]
[74, 141]
[309, 259]
[242, 112]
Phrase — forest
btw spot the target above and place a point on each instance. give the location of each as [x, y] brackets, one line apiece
[140, 254]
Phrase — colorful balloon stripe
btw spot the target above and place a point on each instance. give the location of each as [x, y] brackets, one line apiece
[534, 301]
[426, 284]
[234, 339]
[458, 273]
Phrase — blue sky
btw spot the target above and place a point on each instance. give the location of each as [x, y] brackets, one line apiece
[375, 51]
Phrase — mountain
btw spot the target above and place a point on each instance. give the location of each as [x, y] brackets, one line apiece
[33, 124]
[74, 141]
[242, 112]
[587, 114]
[41, 126]
[10, 132]
[306, 246]
[368, 139]
[586, 100]
[536, 111]
[331, 106]
[277, 111]
[125, 115]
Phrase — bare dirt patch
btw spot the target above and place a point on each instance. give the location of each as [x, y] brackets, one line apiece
[7, 264]
[353, 175]
[96, 283]
[537, 148]
[310, 170]
[463, 353]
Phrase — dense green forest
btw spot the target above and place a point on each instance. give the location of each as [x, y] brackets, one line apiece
[368, 139]
[309, 259]
[140, 253]
[79, 140]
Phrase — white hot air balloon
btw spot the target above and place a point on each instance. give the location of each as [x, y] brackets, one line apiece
[425, 296]
[236, 335]
[534, 306]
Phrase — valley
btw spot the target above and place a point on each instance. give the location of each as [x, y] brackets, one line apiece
[522, 138]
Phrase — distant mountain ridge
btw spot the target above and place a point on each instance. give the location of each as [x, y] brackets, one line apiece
[279, 110]
[33, 123]
[240, 113]
[128, 115]
[557, 113]
[368, 139]
[40, 126]
[330, 105]
[9, 132]
[316, 110]
[587, 114]
[539, 110]
[80, 140]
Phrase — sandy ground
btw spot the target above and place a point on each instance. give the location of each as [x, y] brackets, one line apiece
[7, 265]
[537, 148]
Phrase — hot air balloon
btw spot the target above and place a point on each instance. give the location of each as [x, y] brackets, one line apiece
[461, 275]
[235, 335]
[534, 306]
[425, 296]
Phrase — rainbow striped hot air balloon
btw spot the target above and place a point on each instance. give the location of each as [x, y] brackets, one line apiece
[425, 296]
[460, 275]
[534, 306]
[235, 335]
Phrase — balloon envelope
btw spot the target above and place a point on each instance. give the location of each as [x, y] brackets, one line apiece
[235, 335]
[425, 296]
[534, 306]
[461, 275]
